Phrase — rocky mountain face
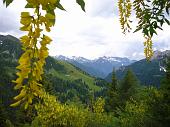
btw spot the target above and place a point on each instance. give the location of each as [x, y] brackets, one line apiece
[99, 67]
[160, 55]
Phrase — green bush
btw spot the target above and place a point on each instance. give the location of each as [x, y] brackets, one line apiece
[51, 113]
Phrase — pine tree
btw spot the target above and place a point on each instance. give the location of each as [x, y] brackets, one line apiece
[114, 81]
[112, 100]
[128, 87]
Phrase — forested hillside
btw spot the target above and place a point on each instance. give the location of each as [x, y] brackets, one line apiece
[148, 73]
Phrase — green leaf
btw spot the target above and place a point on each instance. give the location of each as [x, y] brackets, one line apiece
[161, 22]
[51, 16]
[159, 27]
[59, 6]
[145, 31]
[167, 21]
[138, 28]
[155, 25]
[167, 9]
[82, 4]
[29, 5]
[152, 31]
[7, 2]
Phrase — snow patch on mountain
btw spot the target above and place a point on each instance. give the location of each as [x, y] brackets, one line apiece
[103, 59]
[104, 65]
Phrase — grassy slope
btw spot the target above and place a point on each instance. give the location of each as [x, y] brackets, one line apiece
[72, 73]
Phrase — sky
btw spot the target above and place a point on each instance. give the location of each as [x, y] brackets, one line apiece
[91, 35]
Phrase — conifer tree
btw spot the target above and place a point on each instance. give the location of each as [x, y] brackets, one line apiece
[112, 100]
[114, 80]
[128, 87]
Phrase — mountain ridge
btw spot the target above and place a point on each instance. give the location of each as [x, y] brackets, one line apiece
[148, 72]
[98, 67]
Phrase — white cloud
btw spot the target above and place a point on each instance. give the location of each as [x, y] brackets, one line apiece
[92, 34]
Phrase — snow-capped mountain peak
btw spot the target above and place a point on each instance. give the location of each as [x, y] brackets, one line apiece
[72, 58]
[61, 57]
[80, 59]
[104, 64]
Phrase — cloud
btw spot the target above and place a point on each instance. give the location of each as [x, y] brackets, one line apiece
[10, 18]
[7, 21]
[102, 8]
[92, 34]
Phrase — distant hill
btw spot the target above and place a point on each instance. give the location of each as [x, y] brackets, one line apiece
[99, 67]
[149, 73]
[68, 72]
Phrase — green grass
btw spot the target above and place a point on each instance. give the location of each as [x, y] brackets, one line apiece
[72, 73]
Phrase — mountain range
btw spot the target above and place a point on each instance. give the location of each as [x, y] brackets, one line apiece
[99, 67]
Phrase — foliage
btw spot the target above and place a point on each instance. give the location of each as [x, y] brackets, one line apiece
[7, 2]
[52, 113]
[112, 99]
[143, 111]
[128, 87]
[98, 106]
[151, 15]
[148, 48]
[32, 60]
[133, 114]
[125, 7]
